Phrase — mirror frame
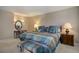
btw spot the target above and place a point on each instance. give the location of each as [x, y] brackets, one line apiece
[18, 27]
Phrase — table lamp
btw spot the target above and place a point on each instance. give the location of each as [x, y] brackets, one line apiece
[67, 26]
[36, 27]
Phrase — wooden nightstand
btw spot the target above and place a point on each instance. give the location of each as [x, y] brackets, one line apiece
[67, 39]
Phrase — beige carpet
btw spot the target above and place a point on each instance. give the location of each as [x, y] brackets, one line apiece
[67, 49]
[10, 46]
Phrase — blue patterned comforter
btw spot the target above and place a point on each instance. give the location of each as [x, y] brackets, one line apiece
[39, 42]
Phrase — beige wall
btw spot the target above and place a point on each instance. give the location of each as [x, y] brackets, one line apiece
[6, 25]
[61, 17]
[31, 22]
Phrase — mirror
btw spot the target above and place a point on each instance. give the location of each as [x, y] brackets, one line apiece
[18, 25]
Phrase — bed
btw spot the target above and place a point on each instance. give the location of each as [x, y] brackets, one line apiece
[39, 42]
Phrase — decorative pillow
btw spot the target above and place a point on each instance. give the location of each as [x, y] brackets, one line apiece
[46, 29]
[53, 29]
[42, 29]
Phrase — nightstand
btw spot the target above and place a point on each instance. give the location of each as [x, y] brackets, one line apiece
[67, 39]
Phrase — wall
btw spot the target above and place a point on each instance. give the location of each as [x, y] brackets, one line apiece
[31, 22]
[6, 25]
[61, 17]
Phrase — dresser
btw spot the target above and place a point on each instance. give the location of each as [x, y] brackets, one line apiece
[67, 39]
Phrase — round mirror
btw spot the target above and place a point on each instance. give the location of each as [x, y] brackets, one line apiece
[18, 25]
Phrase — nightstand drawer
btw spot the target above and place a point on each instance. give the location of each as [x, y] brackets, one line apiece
[67, 39]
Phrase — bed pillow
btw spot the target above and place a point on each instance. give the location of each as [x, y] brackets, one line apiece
[53, 29]
[42, 29]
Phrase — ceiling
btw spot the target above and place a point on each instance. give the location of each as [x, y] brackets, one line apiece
[32, 10]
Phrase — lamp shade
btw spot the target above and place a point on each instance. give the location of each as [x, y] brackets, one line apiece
[67, 26]
[35, 26]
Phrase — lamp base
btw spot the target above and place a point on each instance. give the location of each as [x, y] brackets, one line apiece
[67, 31]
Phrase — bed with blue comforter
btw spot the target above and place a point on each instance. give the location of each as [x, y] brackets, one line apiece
[39, 42]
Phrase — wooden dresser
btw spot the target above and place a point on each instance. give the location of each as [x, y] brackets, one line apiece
[67, 39]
